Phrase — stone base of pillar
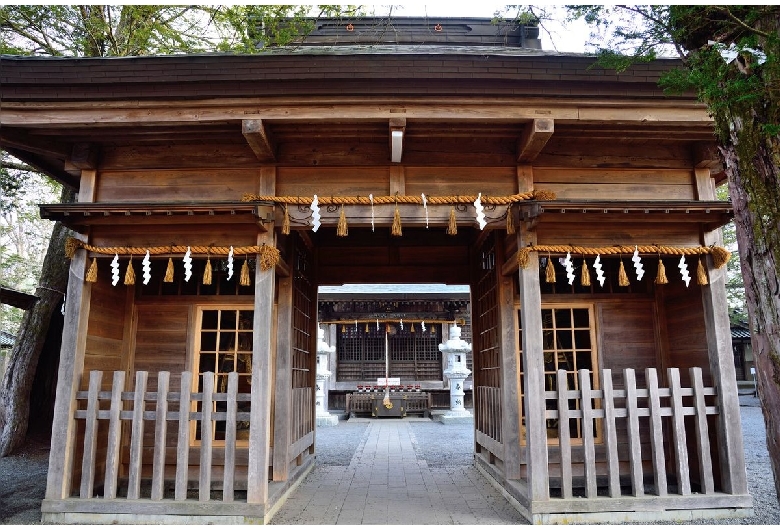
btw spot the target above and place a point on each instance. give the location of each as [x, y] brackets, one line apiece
[327, 421]
[458, 416]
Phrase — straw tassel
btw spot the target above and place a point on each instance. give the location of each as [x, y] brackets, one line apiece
[207, 272]
[622, 276]
[244, 281]
[269, 257]
[720, 256]
[550, 271]
[661, 279]
[452, 227]
[585, 273]
[169, 272]
[130, 273]
[523, 258]
[701, 274]
[341, 227]
[286, 222]
[396, 228]
[92, 272]
[510, 223]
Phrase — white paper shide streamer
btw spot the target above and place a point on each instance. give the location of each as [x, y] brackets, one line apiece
[599, 271]
[187, 265]
[147, 268]
[230, 264]
[115, 270]
[569, 268]
[315, 214]
[422, 325]
[684, 271]
[480, 212]
[640, 269]
[371, 197]
[425, 205]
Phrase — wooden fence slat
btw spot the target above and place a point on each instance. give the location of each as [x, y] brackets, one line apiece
[656, 433]
[90, 436]
[137, 437]
[230, 438]
[678, 434]
[564, 435]
[588, 440]
[160, 432]
[114, 436]
[206, 437]
[610, 433]
[183, 441]
[634, 441]
[702, 433]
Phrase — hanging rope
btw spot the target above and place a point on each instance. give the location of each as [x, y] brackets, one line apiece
[538, 195]
[269, 255]
[719, 254]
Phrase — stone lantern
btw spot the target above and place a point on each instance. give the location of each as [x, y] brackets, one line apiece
[324, 419]
[456, 349]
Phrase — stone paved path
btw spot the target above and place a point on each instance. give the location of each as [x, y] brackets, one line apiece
[386, 482]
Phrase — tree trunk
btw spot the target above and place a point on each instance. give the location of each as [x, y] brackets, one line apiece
[23, 360]
[753, 173]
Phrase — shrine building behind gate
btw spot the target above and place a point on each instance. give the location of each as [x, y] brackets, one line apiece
[217, 193]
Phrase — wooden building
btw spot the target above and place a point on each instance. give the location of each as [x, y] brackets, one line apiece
[599, 392]
[354, 318]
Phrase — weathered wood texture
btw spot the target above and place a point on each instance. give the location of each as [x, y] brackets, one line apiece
[630, 406]
[159, 235]
[686, 331]
[175, 185]
[210, 466]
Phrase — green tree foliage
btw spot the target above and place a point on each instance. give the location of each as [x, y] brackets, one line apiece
[731, 60]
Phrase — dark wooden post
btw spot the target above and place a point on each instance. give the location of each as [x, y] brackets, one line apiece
[533, 374]
[262, 351]
[74, 343]
[510, 371]
[283, 383]
[721, 357]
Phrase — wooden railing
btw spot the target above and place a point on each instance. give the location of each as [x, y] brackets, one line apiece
[131, 408]
[607, 409]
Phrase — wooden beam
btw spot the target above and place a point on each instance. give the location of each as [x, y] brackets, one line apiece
[397, 130]
[83, 156]
[259, 140]
[52, 115]
[534, 138]
[705, 155]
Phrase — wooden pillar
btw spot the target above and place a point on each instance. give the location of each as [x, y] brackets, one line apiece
[262, 362]
[283, 383]
[510, 371]
[74, 343]
[721, 357]
[533, 374]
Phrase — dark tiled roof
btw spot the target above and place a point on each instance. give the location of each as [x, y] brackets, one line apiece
[740, 332]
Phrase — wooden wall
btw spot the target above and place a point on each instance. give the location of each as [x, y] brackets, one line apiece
[685, 326]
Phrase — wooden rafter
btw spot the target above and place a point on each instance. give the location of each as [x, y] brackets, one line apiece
[534, 138]
[259, 140]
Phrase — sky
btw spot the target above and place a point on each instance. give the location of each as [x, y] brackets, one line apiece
[571, 38]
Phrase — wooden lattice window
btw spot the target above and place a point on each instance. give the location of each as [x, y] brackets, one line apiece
[568, 343]
[224, 344]
[414, 355]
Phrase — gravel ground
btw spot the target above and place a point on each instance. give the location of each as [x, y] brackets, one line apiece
[23, 481]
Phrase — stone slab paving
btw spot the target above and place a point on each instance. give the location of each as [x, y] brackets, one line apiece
[388, 480]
